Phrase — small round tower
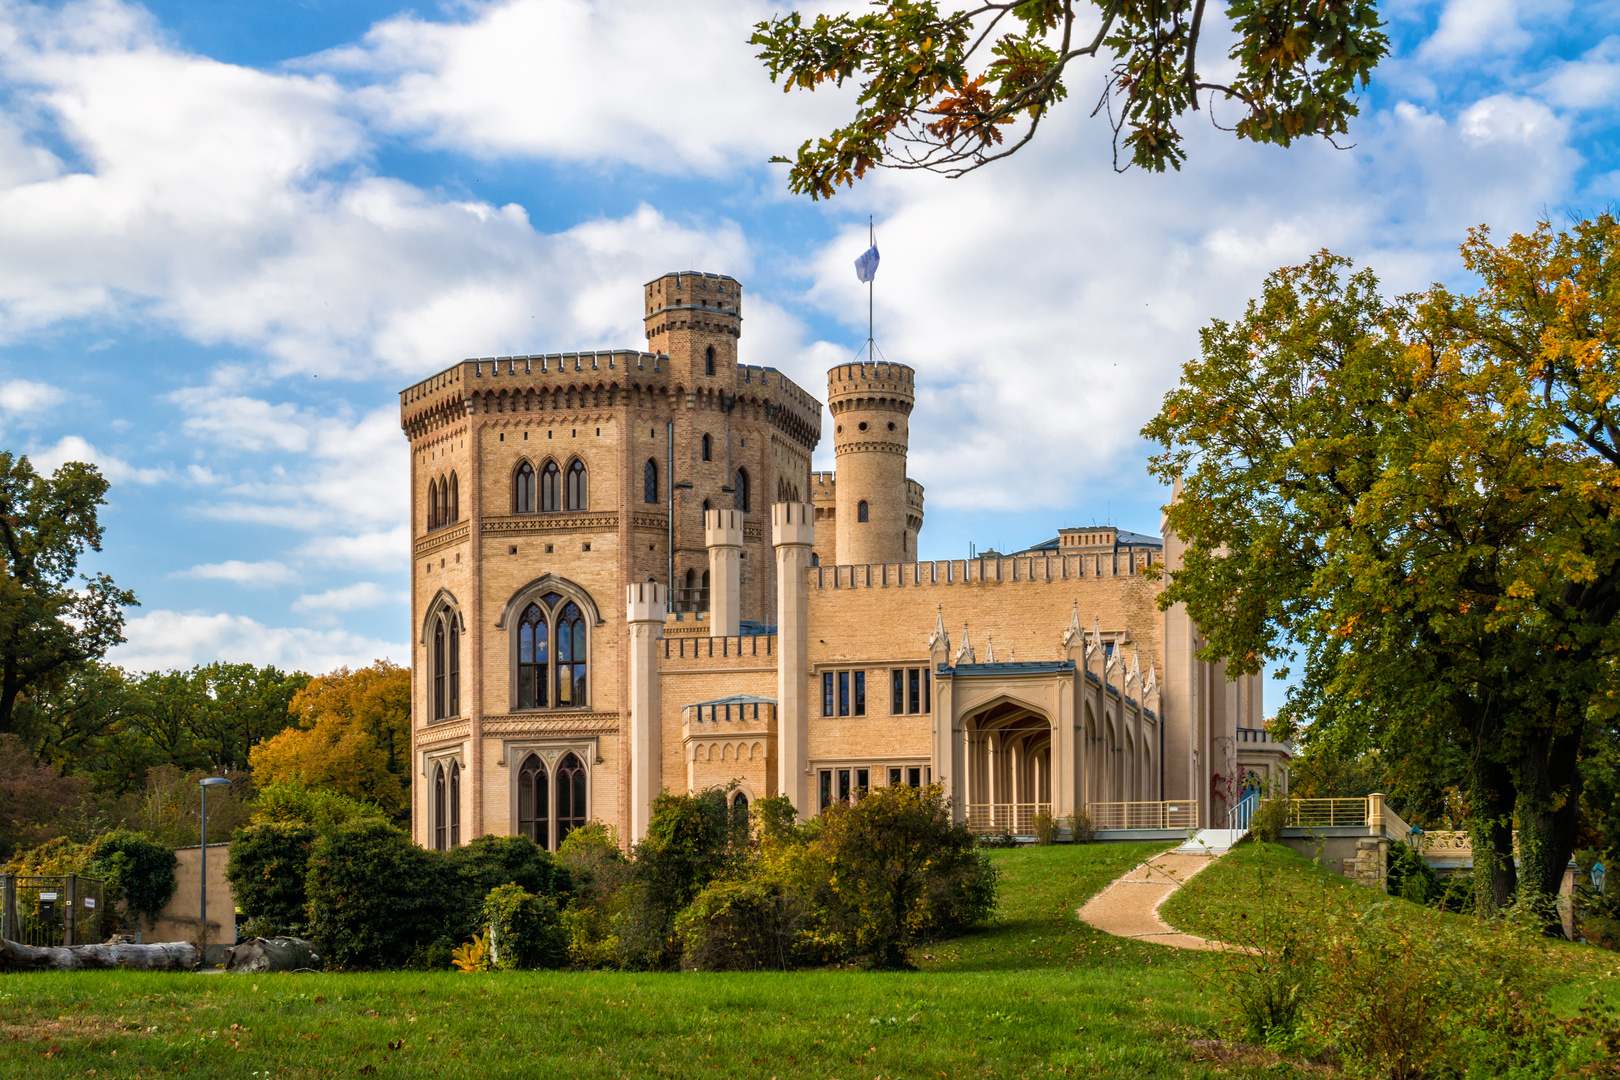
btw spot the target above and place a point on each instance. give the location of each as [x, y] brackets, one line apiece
[871, 411]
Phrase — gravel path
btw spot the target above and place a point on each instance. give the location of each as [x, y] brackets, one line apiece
[1130, 906]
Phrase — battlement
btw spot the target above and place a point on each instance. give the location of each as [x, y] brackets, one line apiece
[987, 570]
[705, 653]
[696, 291]
[914, 494]
[870, 379]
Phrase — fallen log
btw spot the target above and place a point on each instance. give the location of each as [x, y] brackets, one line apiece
[165, 956]
[259, 955]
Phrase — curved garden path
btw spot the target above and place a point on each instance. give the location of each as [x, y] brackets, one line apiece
[1129, 907]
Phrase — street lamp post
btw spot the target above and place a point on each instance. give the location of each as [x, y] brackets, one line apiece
[205, 783]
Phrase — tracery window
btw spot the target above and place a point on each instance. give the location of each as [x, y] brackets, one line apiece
[523, 489]
[739, 487]
[576, 485]
[708, 448]
[649, 482]
[455, 803]
[570, 796]
[439, 823]
[534, 801]
[861, 511]
[553, 655]
[550, 488]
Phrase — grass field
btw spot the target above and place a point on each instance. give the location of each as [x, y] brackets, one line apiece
[1035, 994]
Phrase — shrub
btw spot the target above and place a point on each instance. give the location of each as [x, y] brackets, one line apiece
[1045, 827]
[489, 861]
[266, 868]
[747, 925]
[996, 841]
[136, 870]
[1081, 830]
[374, 895]
[523, 930]
[599, 870]
[904, 872]
[1269, 820]
[472, 955]
[691, 841]
[776, 817]
[1409, 876]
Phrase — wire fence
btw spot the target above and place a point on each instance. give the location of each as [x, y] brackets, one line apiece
[51, 909]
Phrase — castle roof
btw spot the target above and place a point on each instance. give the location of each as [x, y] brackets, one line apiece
[1122, 538]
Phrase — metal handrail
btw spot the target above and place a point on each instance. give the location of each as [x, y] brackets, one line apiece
[1166, 814]
[1237, 818]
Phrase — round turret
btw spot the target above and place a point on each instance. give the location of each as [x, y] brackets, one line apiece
[871, 411]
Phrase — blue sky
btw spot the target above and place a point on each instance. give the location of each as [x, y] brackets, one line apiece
[231, 232]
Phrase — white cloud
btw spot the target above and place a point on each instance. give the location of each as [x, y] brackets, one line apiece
[663, 87]
[76, 448]
[1591, 82]
[160, 640]
[253, 575]
[388, 549]
[356, 597]
[1470, 28]
[19, 396]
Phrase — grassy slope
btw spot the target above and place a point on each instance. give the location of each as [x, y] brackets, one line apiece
[1037, 993]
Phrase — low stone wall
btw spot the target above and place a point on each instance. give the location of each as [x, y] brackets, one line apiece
[180, 918]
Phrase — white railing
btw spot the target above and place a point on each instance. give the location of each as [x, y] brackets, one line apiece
[1172, 814]
[1016, 818]
[1237, 818]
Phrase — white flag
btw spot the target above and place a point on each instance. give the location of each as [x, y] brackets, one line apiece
[866, 265]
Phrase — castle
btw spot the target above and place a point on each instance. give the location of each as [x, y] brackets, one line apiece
[626, 579]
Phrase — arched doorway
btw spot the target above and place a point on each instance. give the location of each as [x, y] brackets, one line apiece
[1009, 768]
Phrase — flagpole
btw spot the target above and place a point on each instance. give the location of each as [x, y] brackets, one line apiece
[871, 238]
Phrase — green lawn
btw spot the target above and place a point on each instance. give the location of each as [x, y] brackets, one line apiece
[1035, 994]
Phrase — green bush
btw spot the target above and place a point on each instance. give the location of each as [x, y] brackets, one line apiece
[1409, 876]
[135, 870]
[1081, 829]
[266, 868]
[1045, 827]
[374, 896]
[488, 861]
[904, 873]
[599, 870]
[747, 925]
[1269, 820]
[322, 808]
[524, 931]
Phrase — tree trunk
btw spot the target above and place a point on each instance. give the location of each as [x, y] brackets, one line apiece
[258, 955]
[168, 956]
[1549, 805]
[1495, 878]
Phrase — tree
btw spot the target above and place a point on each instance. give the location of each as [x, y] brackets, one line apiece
[944, 89]
[51, 623]
[1420, 496]
[352, 736]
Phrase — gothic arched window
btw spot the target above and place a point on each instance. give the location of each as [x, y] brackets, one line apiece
[649, 482]
[453, 668]
[861, 511]
[438, 668]
[532, 656]
[739, 485]
[576, 486]
[455, 501]
[570, 796]
[550, 488]
[438, 807]
[433, 505]
[708, 360]
[739, 801]
[534, 802]
[455, 803]
[523, 489]
[815, 560]
[708, 449]
[571, 657]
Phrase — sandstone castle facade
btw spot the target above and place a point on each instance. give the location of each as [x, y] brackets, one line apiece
[626, 578]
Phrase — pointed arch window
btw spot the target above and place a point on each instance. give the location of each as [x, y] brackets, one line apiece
[553, 655]
[739, 485]
[534, 801]
[439, 671]
[433, 505]
[455, 501]
[571, 796]
[649, 482]
[862, 513]
[577, 495]
[523, 489]
[452, 663]
[455, 803]
[708, 448]
[550, 488]
[439, 823]
[708, 360]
